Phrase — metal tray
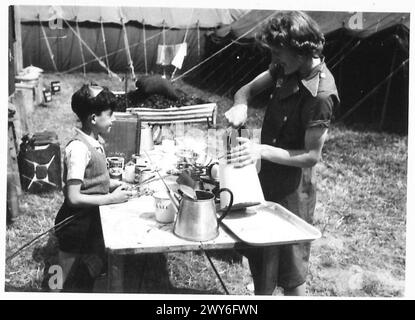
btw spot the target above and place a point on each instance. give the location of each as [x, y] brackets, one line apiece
[269, 223]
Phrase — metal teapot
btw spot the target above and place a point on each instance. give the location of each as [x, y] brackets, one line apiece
[196, 218]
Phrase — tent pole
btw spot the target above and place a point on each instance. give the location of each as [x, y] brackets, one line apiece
[80, 47]
[90, 51]
[105, 46]
[18, 52]
[388, 87]
[145, 48]
[47, 44]
[164, 44]
[198, 40]
[184, 41]
[127, 49]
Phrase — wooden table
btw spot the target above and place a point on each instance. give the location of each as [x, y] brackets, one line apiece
[130, 228]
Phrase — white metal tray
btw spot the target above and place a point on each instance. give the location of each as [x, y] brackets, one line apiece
[269, 223]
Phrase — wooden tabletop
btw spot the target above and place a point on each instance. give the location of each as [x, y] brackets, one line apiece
[131, 228]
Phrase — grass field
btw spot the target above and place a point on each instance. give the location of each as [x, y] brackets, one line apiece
[361, 211]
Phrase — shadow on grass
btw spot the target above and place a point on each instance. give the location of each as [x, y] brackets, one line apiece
[226, 255]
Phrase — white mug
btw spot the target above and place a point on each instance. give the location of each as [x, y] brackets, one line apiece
[164, 209]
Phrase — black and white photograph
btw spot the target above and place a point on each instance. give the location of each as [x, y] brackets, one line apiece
[209, 150]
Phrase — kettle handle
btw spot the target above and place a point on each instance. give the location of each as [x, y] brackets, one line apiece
[228, 208]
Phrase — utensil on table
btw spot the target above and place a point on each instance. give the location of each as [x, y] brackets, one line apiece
[188, 192]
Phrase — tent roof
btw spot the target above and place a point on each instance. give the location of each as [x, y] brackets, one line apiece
[329, 21]
[173, 17]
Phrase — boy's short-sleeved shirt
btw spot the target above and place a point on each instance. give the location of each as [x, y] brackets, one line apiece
[77, 156]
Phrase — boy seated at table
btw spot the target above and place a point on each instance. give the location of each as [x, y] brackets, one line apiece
[87, 186]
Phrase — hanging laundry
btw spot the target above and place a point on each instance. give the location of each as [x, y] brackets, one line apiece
[171, 54]
[165, 54]
[180, 54]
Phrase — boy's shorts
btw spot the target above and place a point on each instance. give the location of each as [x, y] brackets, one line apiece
[83, 235]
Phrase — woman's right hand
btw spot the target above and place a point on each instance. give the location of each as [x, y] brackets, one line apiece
[120, 194]
[237, 115]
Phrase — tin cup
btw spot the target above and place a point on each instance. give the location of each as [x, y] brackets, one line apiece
[115, 162]
[164, 211]
[55, 86]
[116, 173]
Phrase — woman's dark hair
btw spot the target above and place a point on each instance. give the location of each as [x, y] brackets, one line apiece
[84, 104]
[295, 30]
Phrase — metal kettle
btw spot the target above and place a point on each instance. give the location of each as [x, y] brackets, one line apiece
[196, 218]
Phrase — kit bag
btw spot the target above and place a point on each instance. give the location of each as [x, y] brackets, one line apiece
[39, 162]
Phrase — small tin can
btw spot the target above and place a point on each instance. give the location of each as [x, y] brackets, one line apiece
[47, 95]
[55, 86]
[116, 173]
[115, 162]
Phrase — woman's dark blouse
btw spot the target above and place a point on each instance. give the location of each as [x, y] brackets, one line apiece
[296, 105]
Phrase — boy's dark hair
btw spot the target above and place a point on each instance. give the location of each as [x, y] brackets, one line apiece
[84, 103]
[295, 30]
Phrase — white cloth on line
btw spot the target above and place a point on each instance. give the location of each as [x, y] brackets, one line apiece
[180, 54]
[171, 54]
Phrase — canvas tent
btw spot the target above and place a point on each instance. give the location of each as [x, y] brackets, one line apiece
[51, 35]
[367, 52]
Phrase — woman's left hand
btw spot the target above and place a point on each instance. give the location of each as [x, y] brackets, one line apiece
[248, 152]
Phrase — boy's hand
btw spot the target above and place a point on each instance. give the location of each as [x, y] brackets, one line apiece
[120, 194]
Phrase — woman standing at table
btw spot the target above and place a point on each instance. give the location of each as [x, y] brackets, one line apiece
[293, 133]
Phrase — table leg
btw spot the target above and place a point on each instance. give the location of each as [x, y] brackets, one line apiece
[115, 273]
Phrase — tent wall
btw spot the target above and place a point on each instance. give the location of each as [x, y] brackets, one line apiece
[363, 69]
[67, 54]
[362, 23]
[178, 18]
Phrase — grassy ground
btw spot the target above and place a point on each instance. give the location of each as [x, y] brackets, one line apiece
[361, 212]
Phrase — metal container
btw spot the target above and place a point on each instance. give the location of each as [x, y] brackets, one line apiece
[115, 162]
[55, 86]
[196, 219]
[116, 173]
[146, 138]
